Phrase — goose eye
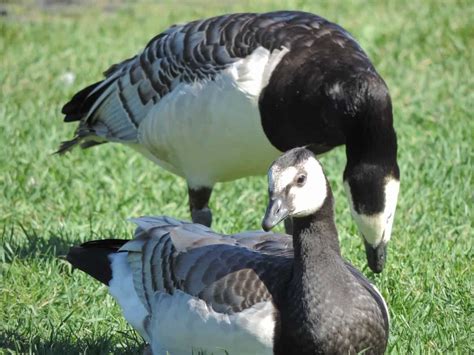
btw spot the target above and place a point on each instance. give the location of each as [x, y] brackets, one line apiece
[301, 180]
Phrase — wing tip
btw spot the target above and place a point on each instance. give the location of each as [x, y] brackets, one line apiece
[67, 146]
[80, 103]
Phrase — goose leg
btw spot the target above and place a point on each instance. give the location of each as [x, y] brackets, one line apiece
[198, 205]
[288, 225]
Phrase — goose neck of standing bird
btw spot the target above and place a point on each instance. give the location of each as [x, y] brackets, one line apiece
[370, 135]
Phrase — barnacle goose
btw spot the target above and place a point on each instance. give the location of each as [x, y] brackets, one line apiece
[220, 98]
[183, 286]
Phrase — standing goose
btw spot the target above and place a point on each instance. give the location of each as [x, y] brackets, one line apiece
[181, 285]
[219, 99]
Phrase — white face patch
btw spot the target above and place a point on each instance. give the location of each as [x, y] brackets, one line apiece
[377, 228]
[306, 199]
[278, 179]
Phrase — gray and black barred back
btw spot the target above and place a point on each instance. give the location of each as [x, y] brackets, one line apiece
[196, 51]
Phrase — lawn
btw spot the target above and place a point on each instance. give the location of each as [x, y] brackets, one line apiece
[423, 49]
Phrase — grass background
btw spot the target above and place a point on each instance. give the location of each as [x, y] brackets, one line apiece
[423, 49]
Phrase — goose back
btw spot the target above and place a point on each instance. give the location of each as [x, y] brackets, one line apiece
[216, 290]
[201, 85]
[181, 284]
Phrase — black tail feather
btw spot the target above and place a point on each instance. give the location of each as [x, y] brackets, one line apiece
[89, 144]
[66, 146]
[92, 257]
[81, 103]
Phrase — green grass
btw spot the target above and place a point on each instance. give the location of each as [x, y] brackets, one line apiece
[423, 49]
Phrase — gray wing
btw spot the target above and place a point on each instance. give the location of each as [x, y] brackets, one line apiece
[230, 276]
[374, 292]
[267, 243]
[112, 109]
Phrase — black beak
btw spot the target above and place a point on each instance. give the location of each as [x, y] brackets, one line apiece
[376, 257]
[276, 212]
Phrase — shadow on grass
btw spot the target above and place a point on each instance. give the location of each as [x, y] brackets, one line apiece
[18, 243]
[15, 343]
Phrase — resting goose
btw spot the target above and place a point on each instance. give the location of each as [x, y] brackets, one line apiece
[220, 98]
[183, 286]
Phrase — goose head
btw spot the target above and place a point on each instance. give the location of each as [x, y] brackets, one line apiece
[372, 192]
[297, 187]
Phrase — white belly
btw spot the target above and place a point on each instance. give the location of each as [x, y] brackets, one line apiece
[181, 323]
[210, 131]
[122, 289]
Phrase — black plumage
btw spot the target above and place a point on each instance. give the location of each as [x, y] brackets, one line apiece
[92, 257]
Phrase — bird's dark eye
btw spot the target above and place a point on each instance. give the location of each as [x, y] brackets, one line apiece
[301, 179]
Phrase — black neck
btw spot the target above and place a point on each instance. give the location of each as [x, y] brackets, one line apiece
[370, 135]
[321, 308]
[315, 236]
[317, 262]
[316, 246]
[330, 107]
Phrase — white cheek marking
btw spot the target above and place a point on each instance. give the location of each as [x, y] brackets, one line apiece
[374, 227]
[392, 189]
[279, 179]
[310, 197]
